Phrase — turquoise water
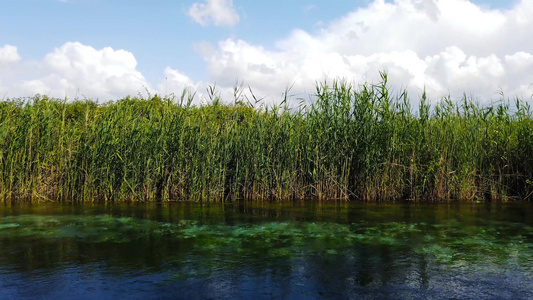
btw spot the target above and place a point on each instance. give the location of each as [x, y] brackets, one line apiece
[266, 251]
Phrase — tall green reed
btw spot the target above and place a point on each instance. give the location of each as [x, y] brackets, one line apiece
[350, 142]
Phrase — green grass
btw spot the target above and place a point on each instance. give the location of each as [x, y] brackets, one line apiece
[352, 142]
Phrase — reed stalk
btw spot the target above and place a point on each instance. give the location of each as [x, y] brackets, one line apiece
[349, 142]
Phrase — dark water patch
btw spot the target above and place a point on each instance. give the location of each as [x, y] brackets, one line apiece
[194, 251]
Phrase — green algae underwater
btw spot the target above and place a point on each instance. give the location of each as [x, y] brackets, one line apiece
[305, 250]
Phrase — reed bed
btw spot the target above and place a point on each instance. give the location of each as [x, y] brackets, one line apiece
[351, 142]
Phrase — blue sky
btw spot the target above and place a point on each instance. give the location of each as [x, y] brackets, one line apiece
[158, 32]
[56, 47]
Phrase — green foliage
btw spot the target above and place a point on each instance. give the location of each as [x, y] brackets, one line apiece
[350, 142]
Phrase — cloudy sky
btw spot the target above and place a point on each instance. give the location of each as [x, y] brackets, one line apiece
[107, 49]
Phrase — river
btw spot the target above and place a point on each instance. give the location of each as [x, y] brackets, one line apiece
[301, 250]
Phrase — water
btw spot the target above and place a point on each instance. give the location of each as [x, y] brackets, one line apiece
[266, 251]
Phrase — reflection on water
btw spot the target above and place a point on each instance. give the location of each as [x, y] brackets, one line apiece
[297, 251]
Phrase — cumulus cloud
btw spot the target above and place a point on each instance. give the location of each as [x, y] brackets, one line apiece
[77, 70]
[177, 82]
[217, 12]
[8, 60]
[309, 8]
[8, 55]
[443, 46]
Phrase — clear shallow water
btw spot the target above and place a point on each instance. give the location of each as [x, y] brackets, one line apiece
[265, 251]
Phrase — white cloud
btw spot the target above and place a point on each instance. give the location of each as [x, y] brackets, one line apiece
[217, 12]
[176, 82]
[309, 8]
[77, 70]
[445, 46]
[8, 61]
[8, 55]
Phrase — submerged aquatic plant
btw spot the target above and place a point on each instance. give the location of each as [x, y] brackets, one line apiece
[350, 142]
[450, 243]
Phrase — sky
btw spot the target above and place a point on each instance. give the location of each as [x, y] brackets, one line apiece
[108, 49]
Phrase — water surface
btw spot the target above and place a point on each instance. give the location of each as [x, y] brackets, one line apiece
[266, 251]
